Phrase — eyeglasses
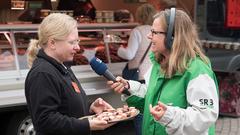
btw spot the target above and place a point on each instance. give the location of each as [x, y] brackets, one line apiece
[157, 32]
[74, 42]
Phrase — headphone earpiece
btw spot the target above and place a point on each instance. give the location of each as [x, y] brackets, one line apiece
[170, 28]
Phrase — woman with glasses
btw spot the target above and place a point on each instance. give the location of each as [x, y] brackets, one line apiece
[55, 98]
[180, 96]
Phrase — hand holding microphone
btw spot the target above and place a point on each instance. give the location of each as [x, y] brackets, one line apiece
[120, 85]
[101, 69]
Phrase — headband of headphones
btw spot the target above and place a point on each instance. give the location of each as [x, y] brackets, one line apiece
[170, 21]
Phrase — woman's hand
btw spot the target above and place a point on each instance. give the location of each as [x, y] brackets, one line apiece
[119, 85]
[99, 105]
[158, 111]
[99, 124]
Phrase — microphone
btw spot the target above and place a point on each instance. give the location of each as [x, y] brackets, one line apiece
[101, 69]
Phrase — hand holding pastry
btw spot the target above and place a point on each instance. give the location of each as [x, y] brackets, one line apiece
[96, 124]
[99, 105]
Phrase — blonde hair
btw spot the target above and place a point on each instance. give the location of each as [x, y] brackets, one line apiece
[55, 26]
[186, 43]
[144, 14]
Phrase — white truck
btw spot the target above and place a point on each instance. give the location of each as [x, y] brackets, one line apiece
[100, 40]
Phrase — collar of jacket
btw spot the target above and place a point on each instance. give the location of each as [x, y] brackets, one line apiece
[60, 67]
[161, 75]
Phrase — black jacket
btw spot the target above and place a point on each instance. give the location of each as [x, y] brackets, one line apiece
[53, 103]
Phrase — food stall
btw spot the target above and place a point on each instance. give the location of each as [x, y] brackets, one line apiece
[100, 40]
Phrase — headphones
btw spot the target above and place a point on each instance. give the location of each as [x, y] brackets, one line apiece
[170, 35]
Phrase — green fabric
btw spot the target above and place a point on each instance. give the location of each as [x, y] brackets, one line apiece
[136, 102]
[167, 91]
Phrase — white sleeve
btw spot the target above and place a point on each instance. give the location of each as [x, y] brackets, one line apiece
[138, 89]
[147, 75]
[202, 112]
[130, 51]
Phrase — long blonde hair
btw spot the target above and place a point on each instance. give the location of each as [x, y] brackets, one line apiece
[55, 26]
[186, 43]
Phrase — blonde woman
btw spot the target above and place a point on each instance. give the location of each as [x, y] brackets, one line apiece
[181, 93]
[55, 98]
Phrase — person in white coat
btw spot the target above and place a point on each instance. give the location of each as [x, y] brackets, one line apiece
[137, 46]
[138, 41]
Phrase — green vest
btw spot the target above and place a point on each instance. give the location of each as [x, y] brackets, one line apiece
[169, 91]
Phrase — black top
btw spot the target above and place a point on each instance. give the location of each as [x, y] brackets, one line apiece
[55, 99]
